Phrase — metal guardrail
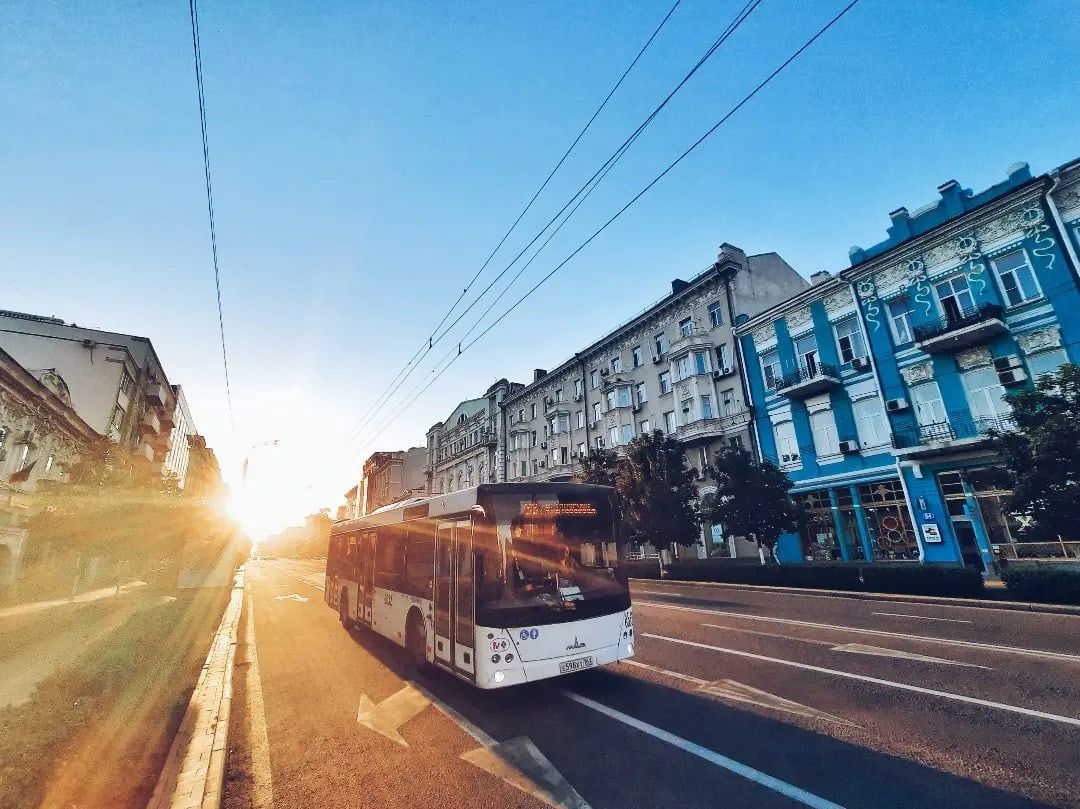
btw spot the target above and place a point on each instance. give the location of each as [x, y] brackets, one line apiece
[959, 426]
[948, 323]
[1056, 550]
[800, 375]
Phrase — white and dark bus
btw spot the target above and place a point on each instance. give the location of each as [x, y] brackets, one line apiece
[500, 584]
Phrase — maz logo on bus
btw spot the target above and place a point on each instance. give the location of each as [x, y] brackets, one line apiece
[529, 634]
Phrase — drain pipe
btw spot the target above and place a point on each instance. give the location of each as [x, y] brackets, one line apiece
[1055, 214]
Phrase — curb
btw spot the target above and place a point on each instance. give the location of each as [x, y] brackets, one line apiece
[194, 771]
[1011, 606]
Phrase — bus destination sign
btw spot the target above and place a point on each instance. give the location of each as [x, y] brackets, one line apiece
[548, 511]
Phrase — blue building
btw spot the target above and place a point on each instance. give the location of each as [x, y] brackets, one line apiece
[875, 389]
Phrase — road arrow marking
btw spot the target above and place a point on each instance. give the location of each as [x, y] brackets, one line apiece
[292, 597]
[880, 651]
[740, 692]
[393, 712]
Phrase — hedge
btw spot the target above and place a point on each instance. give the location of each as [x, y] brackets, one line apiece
[901, 578]
[1051, 583]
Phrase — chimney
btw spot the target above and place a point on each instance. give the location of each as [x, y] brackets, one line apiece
[678, 285]
[1019, 172]
[952, 197]
[539, 374]
[820, 277]
[901, 223]
[856, 254]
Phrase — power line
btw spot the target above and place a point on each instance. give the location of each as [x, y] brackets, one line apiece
[708, 133]
[586, 188]
[193, 11]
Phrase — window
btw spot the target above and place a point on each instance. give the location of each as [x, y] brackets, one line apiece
[985, 394]
[524, 469]
[706, 407]
[770, 369]
[669, 421]
[871, 423]
[611, 399]
[594, 379]
[626, 433]
[555, 456]
[577, 387]
[660, 343]
[639, 390]
[616, 365]
[560, 424]
[596, 411]
[3, 436]
[806, 353]
[419, 565]
[521, 416]
[564, 455]
[701, 362]
[643, 427]
[929, 408]
[900, 314]
[727, 402]
[580, 419]
[613, 434]
[688, 410]
[716, 314]
[126, 382]
[599, 440]
[1045, 362]
[722, 357]
[849, 340]
[682, 367]
[1016, 277]
[534, 438]
[686, 326]
[635, 352]
[955, 297]
[624, 397]
[389, 556]
[735, 441]
[558, 395]
[786, 445]
[823, 427]
[665, 382]
[48, 464]
[581, 450]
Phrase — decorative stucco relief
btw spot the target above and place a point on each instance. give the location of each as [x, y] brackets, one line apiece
[838, 301]
[798, 318]
[1068, 200]
[764, 336]
[1039, 340]
[915, 269]
[1036, 228]
[973, 358]
[920, 372]
[869, 296]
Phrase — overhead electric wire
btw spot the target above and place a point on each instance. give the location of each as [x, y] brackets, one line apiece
[193, 11]
[708, 133]
[528, 206]
[586, 188]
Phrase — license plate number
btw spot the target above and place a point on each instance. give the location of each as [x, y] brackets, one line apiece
[578, 664]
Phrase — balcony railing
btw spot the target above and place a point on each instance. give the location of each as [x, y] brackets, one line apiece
[808, 380]
[959, 427]
[714, 426]
[964, 328]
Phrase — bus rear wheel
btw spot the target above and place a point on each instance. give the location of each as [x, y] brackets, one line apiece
[416, 641]
[343, 610]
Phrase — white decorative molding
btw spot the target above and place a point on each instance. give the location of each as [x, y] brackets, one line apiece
[869, 296]
[766, 335]
[798, 318]
[1039, 340]
[920, 372]
[838, 301]
[893, 276]
[973, 358]
[1068, 200]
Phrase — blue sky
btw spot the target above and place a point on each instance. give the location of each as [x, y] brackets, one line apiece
[368, 156]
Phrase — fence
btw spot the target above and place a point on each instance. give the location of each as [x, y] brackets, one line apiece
[1059, 550]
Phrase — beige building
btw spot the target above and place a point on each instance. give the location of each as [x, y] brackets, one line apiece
[467, 449]
[41, 437]
[203, 479]
[116, 383]
[389, 477]
[673, 367]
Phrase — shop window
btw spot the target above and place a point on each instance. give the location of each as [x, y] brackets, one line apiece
[817, 531]
[892, 536]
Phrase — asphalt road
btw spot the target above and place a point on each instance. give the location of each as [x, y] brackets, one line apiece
[738, 697]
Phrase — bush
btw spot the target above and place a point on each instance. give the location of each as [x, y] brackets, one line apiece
[1052, 583]
[643, 568]
[925, 580]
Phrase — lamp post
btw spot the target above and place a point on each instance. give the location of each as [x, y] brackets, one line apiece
[247, 457]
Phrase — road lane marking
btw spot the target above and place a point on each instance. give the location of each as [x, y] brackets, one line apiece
[661, 593]
[262, 789]
[1068, 720]
[770, 634]
[970, 644]
[387, 716]
[769, 782]
[293, 597]
[735, 691]
[517, 762]
[922, 617]
[880, 651]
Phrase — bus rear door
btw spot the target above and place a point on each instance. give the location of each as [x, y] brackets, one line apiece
[365, 573]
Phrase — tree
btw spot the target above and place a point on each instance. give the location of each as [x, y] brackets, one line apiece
[1042, 455]
[657, 492]
[751, 498]
[599, 467]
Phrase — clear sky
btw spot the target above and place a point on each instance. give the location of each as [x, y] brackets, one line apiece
[368, 156]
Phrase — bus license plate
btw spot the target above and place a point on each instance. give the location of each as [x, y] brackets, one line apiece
[578, 664]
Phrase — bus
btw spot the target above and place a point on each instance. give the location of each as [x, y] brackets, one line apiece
[500, 584]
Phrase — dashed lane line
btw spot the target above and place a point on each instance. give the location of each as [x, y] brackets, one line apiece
[969, 644]
[922, 617]
[757, 776]
[1001, 706]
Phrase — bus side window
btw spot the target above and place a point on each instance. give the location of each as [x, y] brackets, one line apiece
[389, 557]
[419, 566]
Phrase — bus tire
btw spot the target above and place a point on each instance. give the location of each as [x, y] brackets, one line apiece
[343, 610]
[416, 640]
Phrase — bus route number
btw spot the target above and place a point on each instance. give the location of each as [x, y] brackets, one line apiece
[388, 599]
[500, 645]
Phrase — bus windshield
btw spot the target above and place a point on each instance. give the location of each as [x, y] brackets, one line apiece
[560, 560]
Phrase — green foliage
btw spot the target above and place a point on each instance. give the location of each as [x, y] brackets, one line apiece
[751, 498]
[1052, 582]
[1041, 458]
[657, 492]
[599, 467]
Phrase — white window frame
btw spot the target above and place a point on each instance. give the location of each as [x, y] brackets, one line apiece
[808, 359]
[686, 327]
[985, 394]
[954, 295]
[906, 317]
[777, 375]
[665, 377]
[636, 356]
[787, 444]
[716, 314]
[616, 364]
[871, 422]
[670, 425]
[707, 406]
[641, 394]
[927, 410]
[852, 337]
[660, 344]
[826, 438]
[999, 275]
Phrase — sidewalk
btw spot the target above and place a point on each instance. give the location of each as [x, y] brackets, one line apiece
[81, 598]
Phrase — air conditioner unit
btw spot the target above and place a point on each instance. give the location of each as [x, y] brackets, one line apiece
[594, 425]
[577, 397]
[543, 445]
[604, 372]
[549, 401]
[543, 464]
[657, 359]
[848, 447]
[896, 405]
[1006, 363]
[721, 372]
[637, 408]
[785, 459]
[1012, 376]
[860, 364]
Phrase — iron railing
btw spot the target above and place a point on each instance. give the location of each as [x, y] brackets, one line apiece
[807, 374]
[953, 322]
[726, 422]
[958, 427]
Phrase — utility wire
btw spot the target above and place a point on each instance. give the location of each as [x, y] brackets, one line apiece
[586, 188]
[193, 11]
[708, 133]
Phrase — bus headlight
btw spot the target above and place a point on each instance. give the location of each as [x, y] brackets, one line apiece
[498, 676]
[630, 649]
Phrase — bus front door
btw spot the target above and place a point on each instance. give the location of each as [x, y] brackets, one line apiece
[455, 596]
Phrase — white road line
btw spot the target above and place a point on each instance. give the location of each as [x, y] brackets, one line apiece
[479, 734]
[880, 651]
[923, 617]
[678, 675]
[771, 634]
[1068, 720]
[262, 788]
[769, 782]
[970, 644]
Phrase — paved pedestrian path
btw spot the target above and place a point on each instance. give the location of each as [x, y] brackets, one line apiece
[81, 598]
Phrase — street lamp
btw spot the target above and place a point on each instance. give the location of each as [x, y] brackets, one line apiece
[247, 457]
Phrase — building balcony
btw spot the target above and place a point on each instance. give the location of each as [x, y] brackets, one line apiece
[149, 424]
[145, 452]
[699, 339]
[809, 380]
[157, 394]
[960, 432]
[713, 427]
[168, 419]
[953, 332]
